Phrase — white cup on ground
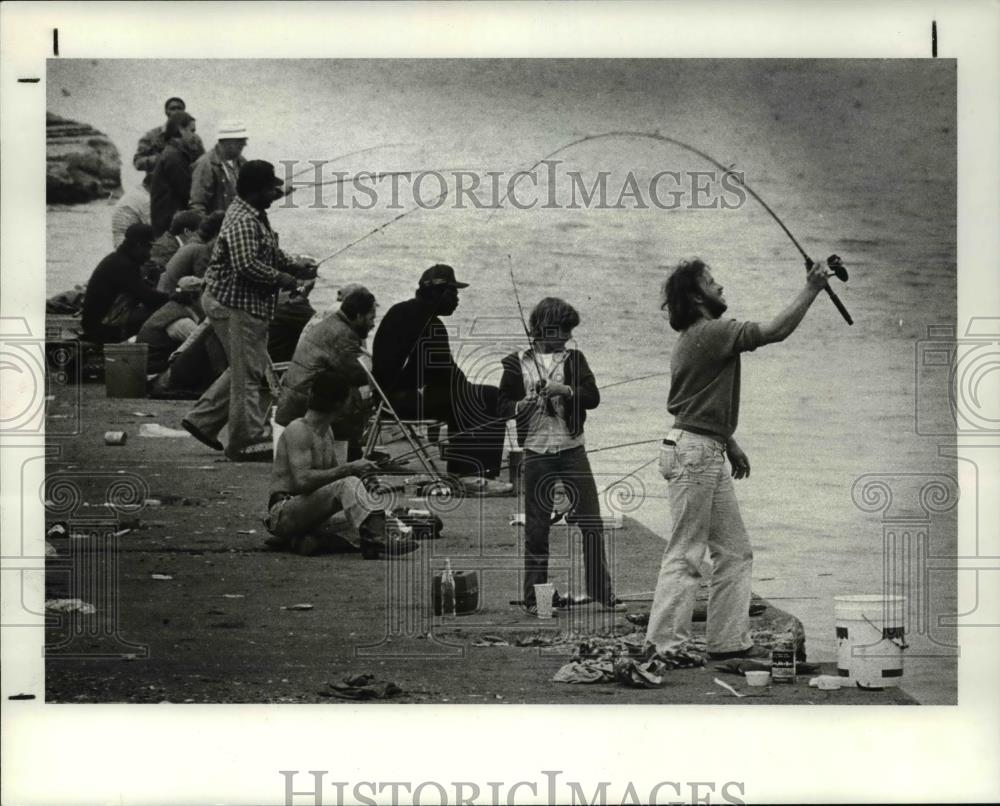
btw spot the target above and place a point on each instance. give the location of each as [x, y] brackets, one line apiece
[543, 599]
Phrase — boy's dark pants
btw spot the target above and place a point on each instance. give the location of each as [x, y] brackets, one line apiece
[541, 472]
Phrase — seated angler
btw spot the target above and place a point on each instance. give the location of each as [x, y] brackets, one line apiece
[334, 344]
[191, 260]
[309, 487]
[183, 229]
[414, 366]
[169, 327]
[118, 300]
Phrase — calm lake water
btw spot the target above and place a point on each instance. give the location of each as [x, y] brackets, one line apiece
[857, 157]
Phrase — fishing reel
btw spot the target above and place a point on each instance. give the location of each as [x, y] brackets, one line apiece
[547, 405]
[835, 264]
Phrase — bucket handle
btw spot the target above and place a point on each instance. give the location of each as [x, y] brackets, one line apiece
[900, 642]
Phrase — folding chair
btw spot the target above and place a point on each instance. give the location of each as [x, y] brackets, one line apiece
[411, 429]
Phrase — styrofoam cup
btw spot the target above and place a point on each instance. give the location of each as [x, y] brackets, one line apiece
[543, 599]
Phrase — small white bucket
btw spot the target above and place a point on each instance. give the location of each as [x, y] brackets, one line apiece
[275, 430]
[870, 639]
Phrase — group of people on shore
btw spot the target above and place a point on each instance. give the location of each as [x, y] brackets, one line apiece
[547, 388]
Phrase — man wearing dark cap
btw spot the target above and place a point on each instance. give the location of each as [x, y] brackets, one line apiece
[118, 300]
[413, 364]
[153, 142]
[244, 275]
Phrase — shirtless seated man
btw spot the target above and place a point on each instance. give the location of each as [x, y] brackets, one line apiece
[308, 487]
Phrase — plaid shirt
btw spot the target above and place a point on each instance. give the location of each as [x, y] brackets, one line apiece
[243, 270]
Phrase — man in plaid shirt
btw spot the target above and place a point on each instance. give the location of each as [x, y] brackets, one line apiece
[244, 275]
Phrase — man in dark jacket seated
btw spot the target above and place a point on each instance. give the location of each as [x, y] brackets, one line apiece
[118, 301]
[169, 327]
[414, 366]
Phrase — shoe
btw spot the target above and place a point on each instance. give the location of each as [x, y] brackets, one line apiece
[487, 488]
[393, 544]
[560, 602]
[307, 545]
[614, 605]
[253, 456]
[754, 652]
[258, 452]
[214, 444]
[380, 550]
[275, 543]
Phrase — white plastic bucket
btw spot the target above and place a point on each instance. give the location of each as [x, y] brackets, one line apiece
[870, 639]
[275, 430]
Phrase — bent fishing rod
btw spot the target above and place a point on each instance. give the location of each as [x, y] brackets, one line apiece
[834, 263]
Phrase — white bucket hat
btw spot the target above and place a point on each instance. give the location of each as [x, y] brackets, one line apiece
[232, 130]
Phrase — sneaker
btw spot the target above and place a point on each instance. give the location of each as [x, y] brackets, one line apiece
[204, 439]
[259, 452]
[560, 602]
[754, 652]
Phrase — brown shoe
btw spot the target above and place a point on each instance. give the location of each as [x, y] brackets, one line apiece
[203, 438]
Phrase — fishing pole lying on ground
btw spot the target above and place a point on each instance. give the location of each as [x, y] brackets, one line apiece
[833, 262]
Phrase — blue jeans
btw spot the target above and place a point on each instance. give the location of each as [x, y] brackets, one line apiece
[541, 472]
[241, 395]
[705, 515]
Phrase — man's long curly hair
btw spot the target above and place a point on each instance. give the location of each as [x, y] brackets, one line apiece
[679, 291]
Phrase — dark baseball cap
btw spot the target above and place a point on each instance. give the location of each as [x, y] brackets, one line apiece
[440, 274]
[256, 175]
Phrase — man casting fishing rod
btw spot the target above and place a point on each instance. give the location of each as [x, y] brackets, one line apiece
[705, 399]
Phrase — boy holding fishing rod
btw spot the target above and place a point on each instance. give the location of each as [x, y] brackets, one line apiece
[548, 389]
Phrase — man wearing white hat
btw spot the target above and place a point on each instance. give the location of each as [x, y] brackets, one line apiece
[213, 180]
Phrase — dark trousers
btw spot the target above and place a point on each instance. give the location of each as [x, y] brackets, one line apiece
[476, 431]
[541, 472]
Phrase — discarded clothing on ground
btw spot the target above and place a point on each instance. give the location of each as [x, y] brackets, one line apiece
[362, 687]
[618, 659]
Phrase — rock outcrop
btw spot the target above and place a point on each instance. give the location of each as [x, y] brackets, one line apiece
[82, 164]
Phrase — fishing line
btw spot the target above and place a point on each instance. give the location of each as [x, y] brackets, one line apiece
[727, 170]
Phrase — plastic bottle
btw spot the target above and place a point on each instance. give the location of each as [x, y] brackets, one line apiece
[447, 591]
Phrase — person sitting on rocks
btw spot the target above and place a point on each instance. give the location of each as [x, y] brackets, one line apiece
[118, 301]
[169, 327]
[183, 228]
[309, 487]
[192, 258]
